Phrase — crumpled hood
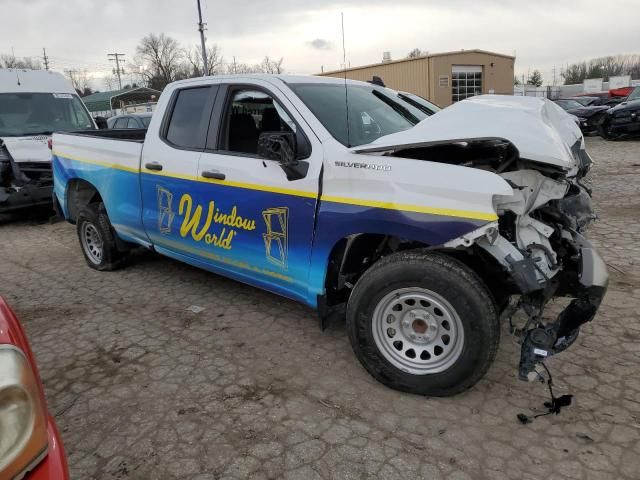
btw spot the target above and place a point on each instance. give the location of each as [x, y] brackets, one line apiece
[588, 111]
[28, 149]
[538, 128]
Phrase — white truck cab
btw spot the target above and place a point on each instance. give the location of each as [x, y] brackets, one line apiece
[33, 105]
[346, 197]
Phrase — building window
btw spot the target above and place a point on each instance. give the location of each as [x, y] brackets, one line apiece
[466, 81]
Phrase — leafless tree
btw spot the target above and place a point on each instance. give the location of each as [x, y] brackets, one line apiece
[163, 59]
[271, 66]
[214, 60]
[80, 81]
[602, 67]
[11, 61]
[238, 67]
[416, 52]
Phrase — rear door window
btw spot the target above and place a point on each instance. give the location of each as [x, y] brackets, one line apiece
[187, 126]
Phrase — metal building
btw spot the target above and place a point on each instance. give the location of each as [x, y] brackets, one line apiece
[443, 78]
[115, 102]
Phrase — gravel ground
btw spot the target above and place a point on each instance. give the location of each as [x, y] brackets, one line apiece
[143, 388]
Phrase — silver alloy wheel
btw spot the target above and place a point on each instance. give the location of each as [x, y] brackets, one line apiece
[92, 242]
[418, 331]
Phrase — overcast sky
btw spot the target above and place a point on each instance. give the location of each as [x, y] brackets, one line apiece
[79, 33]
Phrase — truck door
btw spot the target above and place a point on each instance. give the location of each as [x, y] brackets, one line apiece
[169, 165]
[261, 228]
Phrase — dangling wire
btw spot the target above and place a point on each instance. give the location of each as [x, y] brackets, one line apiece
[553, 406]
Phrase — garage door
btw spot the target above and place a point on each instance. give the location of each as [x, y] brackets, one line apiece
[466, 81]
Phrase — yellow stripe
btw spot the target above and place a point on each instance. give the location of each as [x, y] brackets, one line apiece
[448, 212]
[229, 183]
[116, 166]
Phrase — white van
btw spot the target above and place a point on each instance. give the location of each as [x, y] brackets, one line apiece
[33, 105]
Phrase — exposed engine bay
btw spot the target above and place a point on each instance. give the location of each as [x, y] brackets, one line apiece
[23, 183]
[538, 240]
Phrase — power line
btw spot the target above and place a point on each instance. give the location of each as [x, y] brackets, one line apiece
[117, 70]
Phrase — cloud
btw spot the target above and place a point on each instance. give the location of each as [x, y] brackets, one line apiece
[308, 34]
[320, 44]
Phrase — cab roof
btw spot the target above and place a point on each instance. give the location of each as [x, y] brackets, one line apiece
[17, 80]
[288, 79]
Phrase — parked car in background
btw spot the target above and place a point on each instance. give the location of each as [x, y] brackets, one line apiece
[30, 445]
[130, 120]
[420, 227]
[584, 101]
[624, 119]
[598, 98]
[33, 105]
[596, 101]
[589, 116]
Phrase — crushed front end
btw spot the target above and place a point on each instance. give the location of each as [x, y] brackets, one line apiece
[23, 184]
[539, 241]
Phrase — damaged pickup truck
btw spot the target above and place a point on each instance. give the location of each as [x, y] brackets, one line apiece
[33, 104]
[425, 230]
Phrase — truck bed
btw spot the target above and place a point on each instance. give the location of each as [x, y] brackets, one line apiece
[127, 134]
[107, 148]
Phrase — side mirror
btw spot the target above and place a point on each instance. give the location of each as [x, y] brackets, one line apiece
[101, 123]
[278, 146]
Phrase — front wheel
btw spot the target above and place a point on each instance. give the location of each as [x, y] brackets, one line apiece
[604, 129]
[423, 322]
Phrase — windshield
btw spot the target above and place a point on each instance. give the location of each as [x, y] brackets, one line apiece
[586, 101]
[635, 95]
[417, 101]
[23, 114]
[145, 121]
[373, 113]
[569, 104]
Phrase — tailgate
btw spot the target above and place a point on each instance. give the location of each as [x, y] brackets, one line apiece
[81, 151]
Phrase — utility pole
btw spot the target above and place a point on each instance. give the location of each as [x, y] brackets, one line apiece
[202, 41]
[234, 65]
[554, 75]
[45, 59]
[116, 57]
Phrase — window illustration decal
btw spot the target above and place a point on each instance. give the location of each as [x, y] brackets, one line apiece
[276, 237]
[165, 213]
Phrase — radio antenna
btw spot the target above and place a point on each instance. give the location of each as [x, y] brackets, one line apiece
[346, 94]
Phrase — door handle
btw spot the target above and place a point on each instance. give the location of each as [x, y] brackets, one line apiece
[213, 174]
[153, 166]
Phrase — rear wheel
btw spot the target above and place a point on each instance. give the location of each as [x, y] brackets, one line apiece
[424, 323]
[97, 239]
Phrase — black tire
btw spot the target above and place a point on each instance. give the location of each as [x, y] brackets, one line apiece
[603, 129]
[93, 218]
[451, 280]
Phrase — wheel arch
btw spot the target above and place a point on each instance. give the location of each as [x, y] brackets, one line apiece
[80, 193]
[354, 254]
[351, 256]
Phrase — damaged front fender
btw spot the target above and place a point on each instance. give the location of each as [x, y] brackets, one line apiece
[23, 184]
[538, 244]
